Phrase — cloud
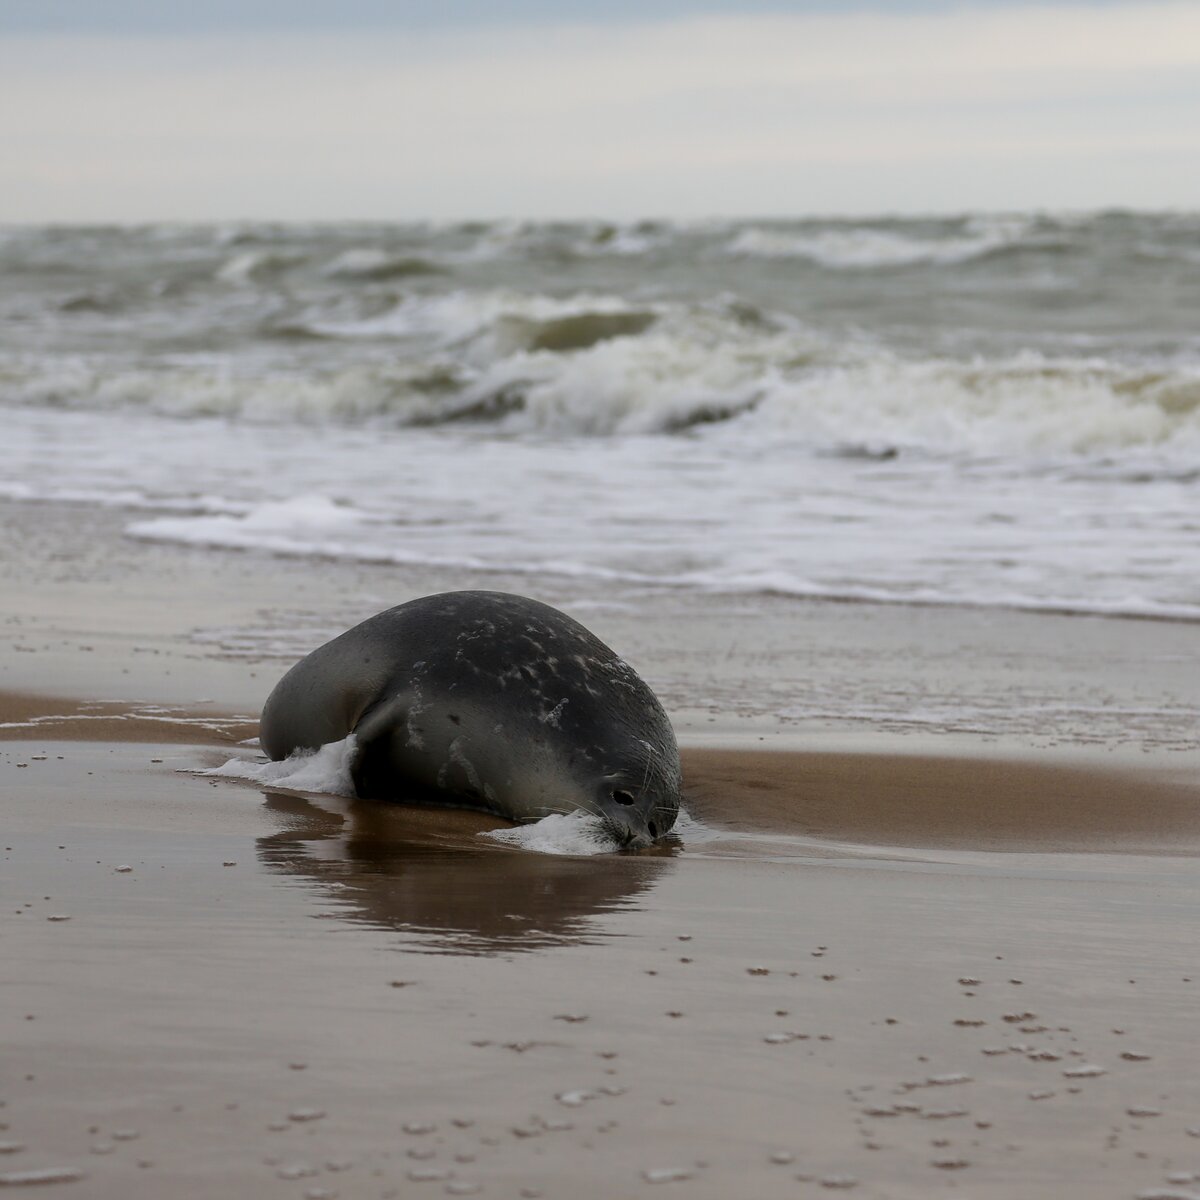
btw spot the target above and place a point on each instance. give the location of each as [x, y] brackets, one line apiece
[1000, 108]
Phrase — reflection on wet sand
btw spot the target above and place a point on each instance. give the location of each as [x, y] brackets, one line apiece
[425, 873]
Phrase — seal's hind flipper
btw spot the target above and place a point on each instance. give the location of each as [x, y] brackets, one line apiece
[373, 769]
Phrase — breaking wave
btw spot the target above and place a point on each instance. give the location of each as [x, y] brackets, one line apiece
[373, 264]
[860, 247]
[599, 373]
[978, 409]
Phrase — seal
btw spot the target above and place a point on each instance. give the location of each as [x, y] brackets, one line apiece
[486, 700]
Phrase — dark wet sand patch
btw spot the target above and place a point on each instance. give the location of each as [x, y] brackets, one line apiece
[966, 802]
[25, 715]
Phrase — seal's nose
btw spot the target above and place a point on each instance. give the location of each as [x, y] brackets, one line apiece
[628, 822]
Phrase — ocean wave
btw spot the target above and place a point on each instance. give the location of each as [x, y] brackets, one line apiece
[577, 331]
[111, 494]
[94, 300]
[863, 247]
[628, 371]
[598, 365]
[887, 410]
[625, 241]
[366, 263]
[563, 242]
[253, 266]
[486, 326]
[302, 527]
[750, 507]
[1023, 406]
[397, 393]
[485, 318]
[657, 383]
[317, 528]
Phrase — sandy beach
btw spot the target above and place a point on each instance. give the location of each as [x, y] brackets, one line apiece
[901, 957]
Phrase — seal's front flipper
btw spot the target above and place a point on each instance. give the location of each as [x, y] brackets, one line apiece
[373, 769]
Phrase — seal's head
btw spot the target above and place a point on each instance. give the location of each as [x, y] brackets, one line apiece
[605, 748]
[638, 818]
[636, 806]
[638, 799]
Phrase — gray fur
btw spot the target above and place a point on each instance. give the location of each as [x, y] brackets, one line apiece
[486, 700]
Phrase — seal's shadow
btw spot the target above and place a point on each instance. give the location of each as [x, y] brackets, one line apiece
[426, 874]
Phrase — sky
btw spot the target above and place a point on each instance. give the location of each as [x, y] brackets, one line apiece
[413, 109]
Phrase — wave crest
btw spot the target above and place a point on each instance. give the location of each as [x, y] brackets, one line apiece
[864, 247]
[670, 378]
[370, 264]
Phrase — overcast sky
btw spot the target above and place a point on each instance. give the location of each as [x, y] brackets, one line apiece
[129, 111]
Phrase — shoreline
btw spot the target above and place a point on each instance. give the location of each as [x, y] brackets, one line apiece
[976, 799]
[95, 614]
[26, 716]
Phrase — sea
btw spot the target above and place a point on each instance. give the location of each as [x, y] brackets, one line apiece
[994, 410]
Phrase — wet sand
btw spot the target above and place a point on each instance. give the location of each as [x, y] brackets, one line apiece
[966, 801]
[302, 995]
[974, 799]
[913, 955]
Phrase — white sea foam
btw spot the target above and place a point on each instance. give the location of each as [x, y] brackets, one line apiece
[858, 247]
[692, 832]
[622, 240]
[813, 513]
[1022, 406]
[299, 525]
[584, 834]
[559, 833]
[103, 494]
[474, 318]
[598, 366]
[249, 265]
[325, 770]
[373, 263]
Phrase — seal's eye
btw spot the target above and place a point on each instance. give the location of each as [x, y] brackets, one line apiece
[623, 797]
[653, 829]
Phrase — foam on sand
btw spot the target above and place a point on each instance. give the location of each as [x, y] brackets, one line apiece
[326, 770]
[584, 834]
[559, 833]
